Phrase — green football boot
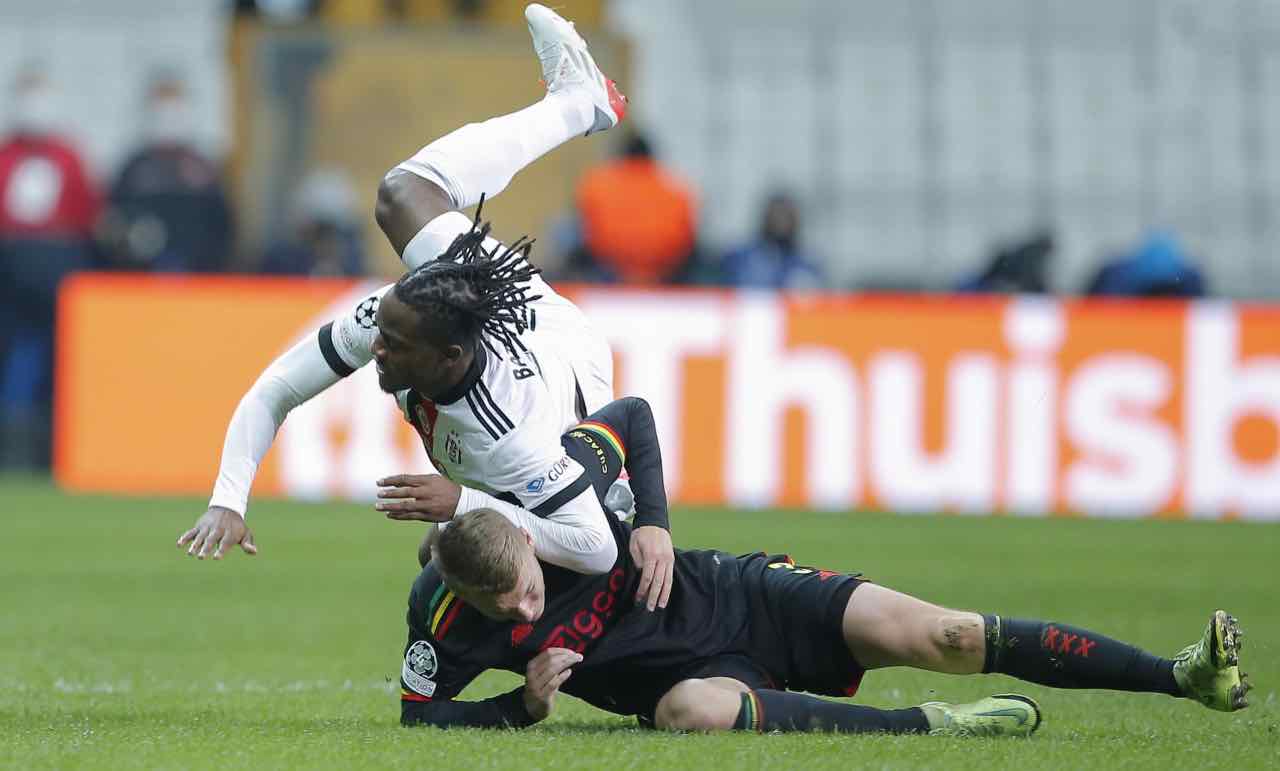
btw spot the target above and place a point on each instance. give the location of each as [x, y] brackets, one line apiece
[1209, 670]
[1005, 714]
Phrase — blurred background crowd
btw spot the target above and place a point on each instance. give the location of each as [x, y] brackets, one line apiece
[1108, 148]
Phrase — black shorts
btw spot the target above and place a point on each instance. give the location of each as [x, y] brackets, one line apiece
[797, 625]
[794, 637]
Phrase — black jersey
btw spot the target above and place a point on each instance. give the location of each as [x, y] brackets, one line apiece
[785, 621]
[450, 643]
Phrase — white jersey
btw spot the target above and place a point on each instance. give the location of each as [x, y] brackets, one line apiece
[555, 323]
[498, 429]
[498, 436]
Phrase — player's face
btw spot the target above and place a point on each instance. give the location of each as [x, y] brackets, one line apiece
[403, 358]
[524, 604]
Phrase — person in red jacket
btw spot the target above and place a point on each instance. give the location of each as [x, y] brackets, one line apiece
[639, 221]
[48, 209]
[44, 190]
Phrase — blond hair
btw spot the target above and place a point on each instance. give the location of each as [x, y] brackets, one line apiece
[480, 551]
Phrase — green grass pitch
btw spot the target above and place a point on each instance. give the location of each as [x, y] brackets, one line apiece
[116, 651]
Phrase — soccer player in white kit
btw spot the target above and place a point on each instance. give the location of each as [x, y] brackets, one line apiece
[487, 362]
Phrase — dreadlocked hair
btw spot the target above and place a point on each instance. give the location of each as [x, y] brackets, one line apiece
[471, 292]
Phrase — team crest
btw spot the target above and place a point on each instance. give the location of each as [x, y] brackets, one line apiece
[453, 449]
[420, 666]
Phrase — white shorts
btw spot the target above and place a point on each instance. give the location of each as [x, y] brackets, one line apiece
[562, 326]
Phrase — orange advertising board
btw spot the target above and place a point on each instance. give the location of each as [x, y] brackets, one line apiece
[967, 404]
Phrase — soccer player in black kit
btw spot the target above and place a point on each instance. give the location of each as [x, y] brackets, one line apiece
[740, 636]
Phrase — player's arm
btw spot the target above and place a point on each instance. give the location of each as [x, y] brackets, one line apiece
[625, 432]
[549, 495]
[431, 678]
[304, 371]
[520, 708]
[560, 502]
[504, 711]
[626, 429]
[574, 535]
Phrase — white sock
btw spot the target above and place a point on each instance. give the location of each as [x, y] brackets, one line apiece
[483, 157]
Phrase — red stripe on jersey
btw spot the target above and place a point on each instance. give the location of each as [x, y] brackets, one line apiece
[406, 695]
[448, 619]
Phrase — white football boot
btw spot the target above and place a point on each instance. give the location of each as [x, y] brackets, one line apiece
[567, 64]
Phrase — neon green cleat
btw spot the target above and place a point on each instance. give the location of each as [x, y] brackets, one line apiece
[1006, 714]
[1209, 670]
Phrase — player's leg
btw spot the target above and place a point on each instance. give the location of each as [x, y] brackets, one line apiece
[481, 158]
[593, 366]
[884, 628]
[562, 326]
[700, 704]
[794, 641]
[722, 703]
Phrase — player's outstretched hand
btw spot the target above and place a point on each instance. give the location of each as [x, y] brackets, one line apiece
[421, 497]
[543, 677]
[215, 533]
[652, 551]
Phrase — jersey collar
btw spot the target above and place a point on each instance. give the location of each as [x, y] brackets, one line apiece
[468, 380]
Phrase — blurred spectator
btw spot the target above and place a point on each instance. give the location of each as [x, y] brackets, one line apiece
[168, 211]
[1160, 267]
[278, 10]
[1022, 267]
[47, 211]
[638, 220]
[325, 238]
[468, 10]
[774, 260]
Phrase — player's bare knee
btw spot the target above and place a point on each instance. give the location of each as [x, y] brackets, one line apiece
[696, 705]
[405, 204]
[958, 634]
[388, 203]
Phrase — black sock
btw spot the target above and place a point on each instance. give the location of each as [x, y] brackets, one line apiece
[1065, 656]
[764, 711]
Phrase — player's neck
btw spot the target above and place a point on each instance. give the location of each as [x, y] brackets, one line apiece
[466, 372]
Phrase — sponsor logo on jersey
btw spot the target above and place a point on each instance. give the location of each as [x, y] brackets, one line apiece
[420, 664]
[588, 624]
[558, 470]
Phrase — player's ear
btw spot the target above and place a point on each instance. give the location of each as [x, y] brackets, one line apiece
[528, 537]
